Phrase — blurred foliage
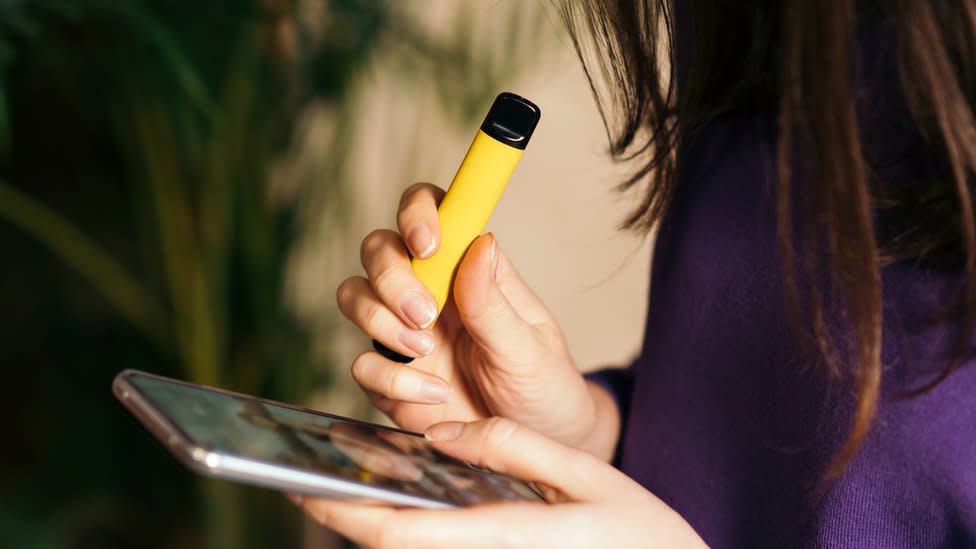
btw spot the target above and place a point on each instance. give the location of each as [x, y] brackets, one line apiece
[138, 230]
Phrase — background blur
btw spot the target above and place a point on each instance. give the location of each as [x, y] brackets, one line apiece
[183, 185]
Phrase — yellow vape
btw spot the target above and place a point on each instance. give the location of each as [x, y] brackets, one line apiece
[473, 194]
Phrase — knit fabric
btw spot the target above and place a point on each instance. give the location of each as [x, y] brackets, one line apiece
[725, 416]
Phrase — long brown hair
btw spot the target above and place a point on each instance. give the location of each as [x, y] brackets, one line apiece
[799, 56]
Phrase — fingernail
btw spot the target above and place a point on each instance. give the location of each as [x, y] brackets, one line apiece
[493, 256]
[419, 309]
[449, 430]
[419, 342]
[434, 391]
[421, 241]
[294, 498]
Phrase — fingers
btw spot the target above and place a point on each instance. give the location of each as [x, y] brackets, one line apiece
[486, 311]
[391, 304]
[398, 382]
[617, 522]
[387, 266]
[357, 522]
[359, 303]
[490, 526]
[506, 447]
[417, 219]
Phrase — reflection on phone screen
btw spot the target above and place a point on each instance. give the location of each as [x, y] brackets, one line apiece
[266, 432]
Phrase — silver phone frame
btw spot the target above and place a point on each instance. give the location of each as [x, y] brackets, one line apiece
[257, 472]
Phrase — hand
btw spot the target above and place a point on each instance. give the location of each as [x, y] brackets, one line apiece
[495, 350]
[593, 504]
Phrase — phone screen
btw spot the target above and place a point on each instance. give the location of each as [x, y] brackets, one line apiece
[258, 430]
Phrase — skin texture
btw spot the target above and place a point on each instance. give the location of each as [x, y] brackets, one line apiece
[497, 359]
[591, 504]
[496, 348]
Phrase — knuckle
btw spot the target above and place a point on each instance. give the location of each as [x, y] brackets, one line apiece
[372, 243]
[412, 215]
[419, 197]
[360, 369]
[413, 188]
[345, 292]
[417, 189]
[394, 379]
[409, 196]
[499, 431]
[382, 279]
[371, 316]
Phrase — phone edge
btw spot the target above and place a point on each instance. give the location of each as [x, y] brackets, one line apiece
[253, 472]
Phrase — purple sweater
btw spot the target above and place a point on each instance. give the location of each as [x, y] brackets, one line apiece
[727, 421]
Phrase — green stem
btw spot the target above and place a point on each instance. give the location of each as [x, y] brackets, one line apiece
[86, 257]
[183, 264]
[226, 520]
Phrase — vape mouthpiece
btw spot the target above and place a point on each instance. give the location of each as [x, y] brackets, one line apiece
[511, 120]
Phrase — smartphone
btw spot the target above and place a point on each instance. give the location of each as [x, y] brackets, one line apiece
[292, 449]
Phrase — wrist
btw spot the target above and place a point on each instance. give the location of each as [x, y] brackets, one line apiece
[600, 437]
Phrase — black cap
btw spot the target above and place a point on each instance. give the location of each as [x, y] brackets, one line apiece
[511, 120]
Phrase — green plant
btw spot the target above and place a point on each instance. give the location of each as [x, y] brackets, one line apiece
[137, 140]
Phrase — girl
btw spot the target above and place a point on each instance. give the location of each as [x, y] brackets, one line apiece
[806, 377]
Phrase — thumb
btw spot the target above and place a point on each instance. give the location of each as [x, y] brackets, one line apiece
[485, 309]
[503, 446]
